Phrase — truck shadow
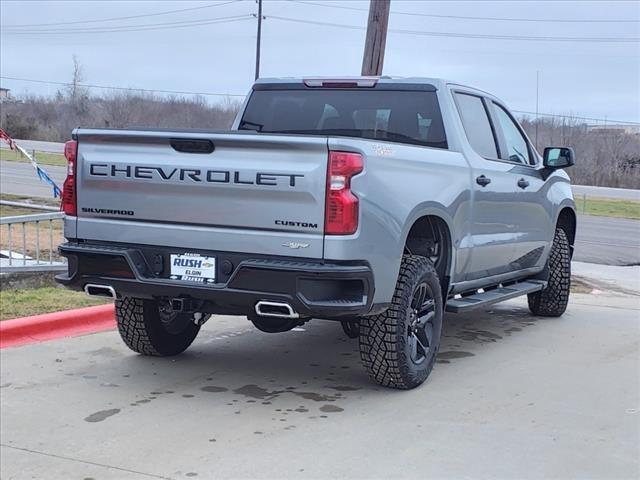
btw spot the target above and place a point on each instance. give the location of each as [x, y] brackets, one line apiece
[311, 372]
[316, 363]
[321, 350]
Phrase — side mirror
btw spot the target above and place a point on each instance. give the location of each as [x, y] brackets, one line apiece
[558, 157]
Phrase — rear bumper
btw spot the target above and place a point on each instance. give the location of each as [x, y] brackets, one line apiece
[312, 287]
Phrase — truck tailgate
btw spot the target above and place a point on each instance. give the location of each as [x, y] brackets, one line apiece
[228, 191]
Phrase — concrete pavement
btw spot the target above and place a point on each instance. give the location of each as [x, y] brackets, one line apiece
[512, 396]
[610, 278]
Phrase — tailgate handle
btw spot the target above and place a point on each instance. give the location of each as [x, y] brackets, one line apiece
[192, 145]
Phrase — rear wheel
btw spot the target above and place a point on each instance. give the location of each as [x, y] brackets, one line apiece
[150, 328]
[553, 299]
[399, 347]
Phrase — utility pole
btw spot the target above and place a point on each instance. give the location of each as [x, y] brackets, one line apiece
[537, 104]
[258, 38]
[376, 39]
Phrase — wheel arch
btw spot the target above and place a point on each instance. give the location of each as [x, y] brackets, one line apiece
[430, 235]
[567, 220]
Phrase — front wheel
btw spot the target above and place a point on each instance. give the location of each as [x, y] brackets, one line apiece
[399, 347]
[150, 328]
[553, 299]
[350, 328]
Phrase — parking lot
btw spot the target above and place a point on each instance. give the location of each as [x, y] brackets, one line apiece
[512, 396]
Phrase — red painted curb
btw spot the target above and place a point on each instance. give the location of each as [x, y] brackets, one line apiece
[70, 323]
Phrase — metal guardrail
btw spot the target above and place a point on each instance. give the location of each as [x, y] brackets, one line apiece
[33, 206]
[24, 263]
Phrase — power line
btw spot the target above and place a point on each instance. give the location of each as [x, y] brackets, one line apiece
[106, 87]
[119, 18]
[576, 117]
[137, 28]
[608, 120]
[468, 35]
[461, 17]
[202, 22]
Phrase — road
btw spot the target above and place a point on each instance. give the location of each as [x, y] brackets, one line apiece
[607, 240]
[39, 146]
[19, 178]
[605, 192]
[512, 397]
[610, 241]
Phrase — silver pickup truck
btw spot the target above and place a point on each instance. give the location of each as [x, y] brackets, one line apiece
[377, 202]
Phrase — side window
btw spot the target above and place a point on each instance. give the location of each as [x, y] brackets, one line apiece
[517, 148]
[476, 124]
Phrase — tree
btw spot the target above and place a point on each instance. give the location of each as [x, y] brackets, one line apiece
[77, 93]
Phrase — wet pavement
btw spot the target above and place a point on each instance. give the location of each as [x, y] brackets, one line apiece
[512, 396]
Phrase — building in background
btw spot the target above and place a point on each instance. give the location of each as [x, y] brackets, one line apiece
[630, 128]
[5, 95]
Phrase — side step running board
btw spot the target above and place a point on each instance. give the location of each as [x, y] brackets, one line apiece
[479, 300]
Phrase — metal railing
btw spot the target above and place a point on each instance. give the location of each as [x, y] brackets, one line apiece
[34, 222]
[32, 206]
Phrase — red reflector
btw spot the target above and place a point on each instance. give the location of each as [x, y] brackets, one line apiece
[341, 211]
[69, 200]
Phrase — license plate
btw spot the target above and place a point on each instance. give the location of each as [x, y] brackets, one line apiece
[192, 267]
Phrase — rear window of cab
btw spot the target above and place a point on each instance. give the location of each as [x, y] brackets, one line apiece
[411, 117]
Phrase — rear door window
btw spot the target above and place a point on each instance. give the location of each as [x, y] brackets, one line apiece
[397, 116]
[477, 125]
[517, 146]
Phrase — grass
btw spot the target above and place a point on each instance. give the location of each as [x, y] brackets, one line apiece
[43, 158]
[34, 301]
[609, 208]
[52, 202]
[578, 286]
[10, 211]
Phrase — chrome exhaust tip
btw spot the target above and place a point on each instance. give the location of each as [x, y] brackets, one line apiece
[275, 309]
[95, 290]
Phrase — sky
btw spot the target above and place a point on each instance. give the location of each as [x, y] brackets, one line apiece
[211, 47]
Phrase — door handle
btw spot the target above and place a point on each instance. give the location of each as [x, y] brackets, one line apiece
[483, 181]
[522, 183]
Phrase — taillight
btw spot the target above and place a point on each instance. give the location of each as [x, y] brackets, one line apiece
[69, 199]
[341, 205]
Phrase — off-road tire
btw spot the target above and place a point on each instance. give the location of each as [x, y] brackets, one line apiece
[143, 332]
[383, 339]
[552, 301]
[351, 328]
